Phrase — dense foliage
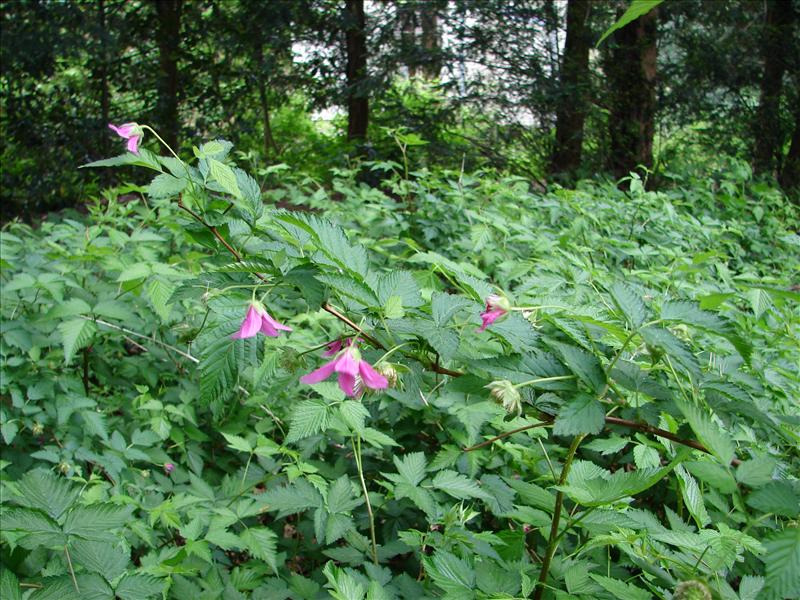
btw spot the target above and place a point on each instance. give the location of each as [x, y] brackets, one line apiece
[626, 426]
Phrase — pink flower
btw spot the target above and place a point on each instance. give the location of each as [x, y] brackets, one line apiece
[496, 307]
[169, 468]
[131, 132]
[351, 370]
[258, 319]
[333, 348]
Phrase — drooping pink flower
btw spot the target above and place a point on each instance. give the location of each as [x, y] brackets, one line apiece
[258, 319]
[169, 468]
[350, 369]
[131, 132]
[496, 307]
[333, 348]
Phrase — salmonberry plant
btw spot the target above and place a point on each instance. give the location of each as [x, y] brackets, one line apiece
[464, 390]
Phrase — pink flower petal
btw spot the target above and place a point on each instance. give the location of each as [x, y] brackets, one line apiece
[348, 383]
[268, 329]
[250, 325]
[490, 316]
[371, 377]
[333, 348]
[133, 143]
[266, 319]
[320, 374]
[125, 130]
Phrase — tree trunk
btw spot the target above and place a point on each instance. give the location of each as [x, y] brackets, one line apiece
[270, 146]
[790, 174]
[408, 39]
[431, 40]
[167, 37]
[631, 70]
[574, 92]
[767, 132]
[102, 79]
[356, 40]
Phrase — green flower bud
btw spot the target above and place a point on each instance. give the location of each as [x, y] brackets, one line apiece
[692, 590]
[506, 394]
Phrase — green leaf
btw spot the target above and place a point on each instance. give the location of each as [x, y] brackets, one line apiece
[629, 304]
[458, 485]
[46, 491]
[135, 271]
[452, 574]
[145, 158]
[445, 306]
[218, 370]
[349, 288]
[666, 342]
[308, 418]
[692, 314]
[692, 497]
[9, 585]
[583, 414]
[585, 366]
[225, 177]
[411, 467]
[160, 290]
[354, 414]
[783, 564]
[95, 521]
[139, 586]
[293, 498]
[760, 301]
[238, 443]
[332, 241]
[166, 186]
[340, 497]
[99, 557]
[778, 497]
[620, 589]
[39, 529]
[262, 543]
[710, 434]
[75, 334]
[635, 10]
[400, 284]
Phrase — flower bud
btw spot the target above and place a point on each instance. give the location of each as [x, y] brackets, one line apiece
[64, 467]
[388, 371]
[37, 429]
[497, 302]
[145, 473]
[168, 468]
[506, 394]
[692, 590]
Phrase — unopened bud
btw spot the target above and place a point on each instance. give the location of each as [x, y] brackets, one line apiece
[388, 371]
[64, 467]
[37, 429]
[506, 394]
[168, 468]
[497, 302]
[692, 590]
[145, 473]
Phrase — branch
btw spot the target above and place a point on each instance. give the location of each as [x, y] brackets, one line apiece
[143, 337]
[328, 308]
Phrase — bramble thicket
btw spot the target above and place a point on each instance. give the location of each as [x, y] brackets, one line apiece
[403, 375]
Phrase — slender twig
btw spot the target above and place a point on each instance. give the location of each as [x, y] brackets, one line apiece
[215, 232]
[551, 544]
[142, 336]
[357, 454]
[329, 309]
[71, 570]
[506, 434]
[85, 353]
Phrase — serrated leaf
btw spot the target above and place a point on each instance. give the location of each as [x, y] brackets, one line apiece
[332, 241]
[95, 521]
[411, 467]
[238, 443]
[139, 586]
[138, 270]
[39, 529]
[760, 301]
[349, 288]
[218, 369]
[166, 186]
[666, 342]
[620, 589]
[340, 497]
[75, 334]
[445, 306]
[160, 290]
[783, 564]
[458, 485]
[400, 284]
[452, 574]
[308, 418]
[262, 543]
[9, 585]
[46, 491]
[629, 303]
[354, 414]
[293, 498]
[585, 366]
[583, 414]
[778, 497]
[225, 177]
[109, 560]
[692, 314]
[692, 497]
[710, 434]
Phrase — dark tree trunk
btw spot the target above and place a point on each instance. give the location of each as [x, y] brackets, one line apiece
[167, 37]
[767, 133]
[270, 147]
[574, 92]
[631, 70]
[102, 78]
[356, 40]
[408, 39]
[790, 174]
[430, 41]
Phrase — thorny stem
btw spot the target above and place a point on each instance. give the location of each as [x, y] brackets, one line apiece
[551, 545]
[357, 454]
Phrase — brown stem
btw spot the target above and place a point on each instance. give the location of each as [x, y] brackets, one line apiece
[328, 308]
[506, 434]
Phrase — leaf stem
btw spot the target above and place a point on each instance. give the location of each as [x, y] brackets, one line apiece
[543, 380]
[71, 570]
[551, 545]
[357, 454]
